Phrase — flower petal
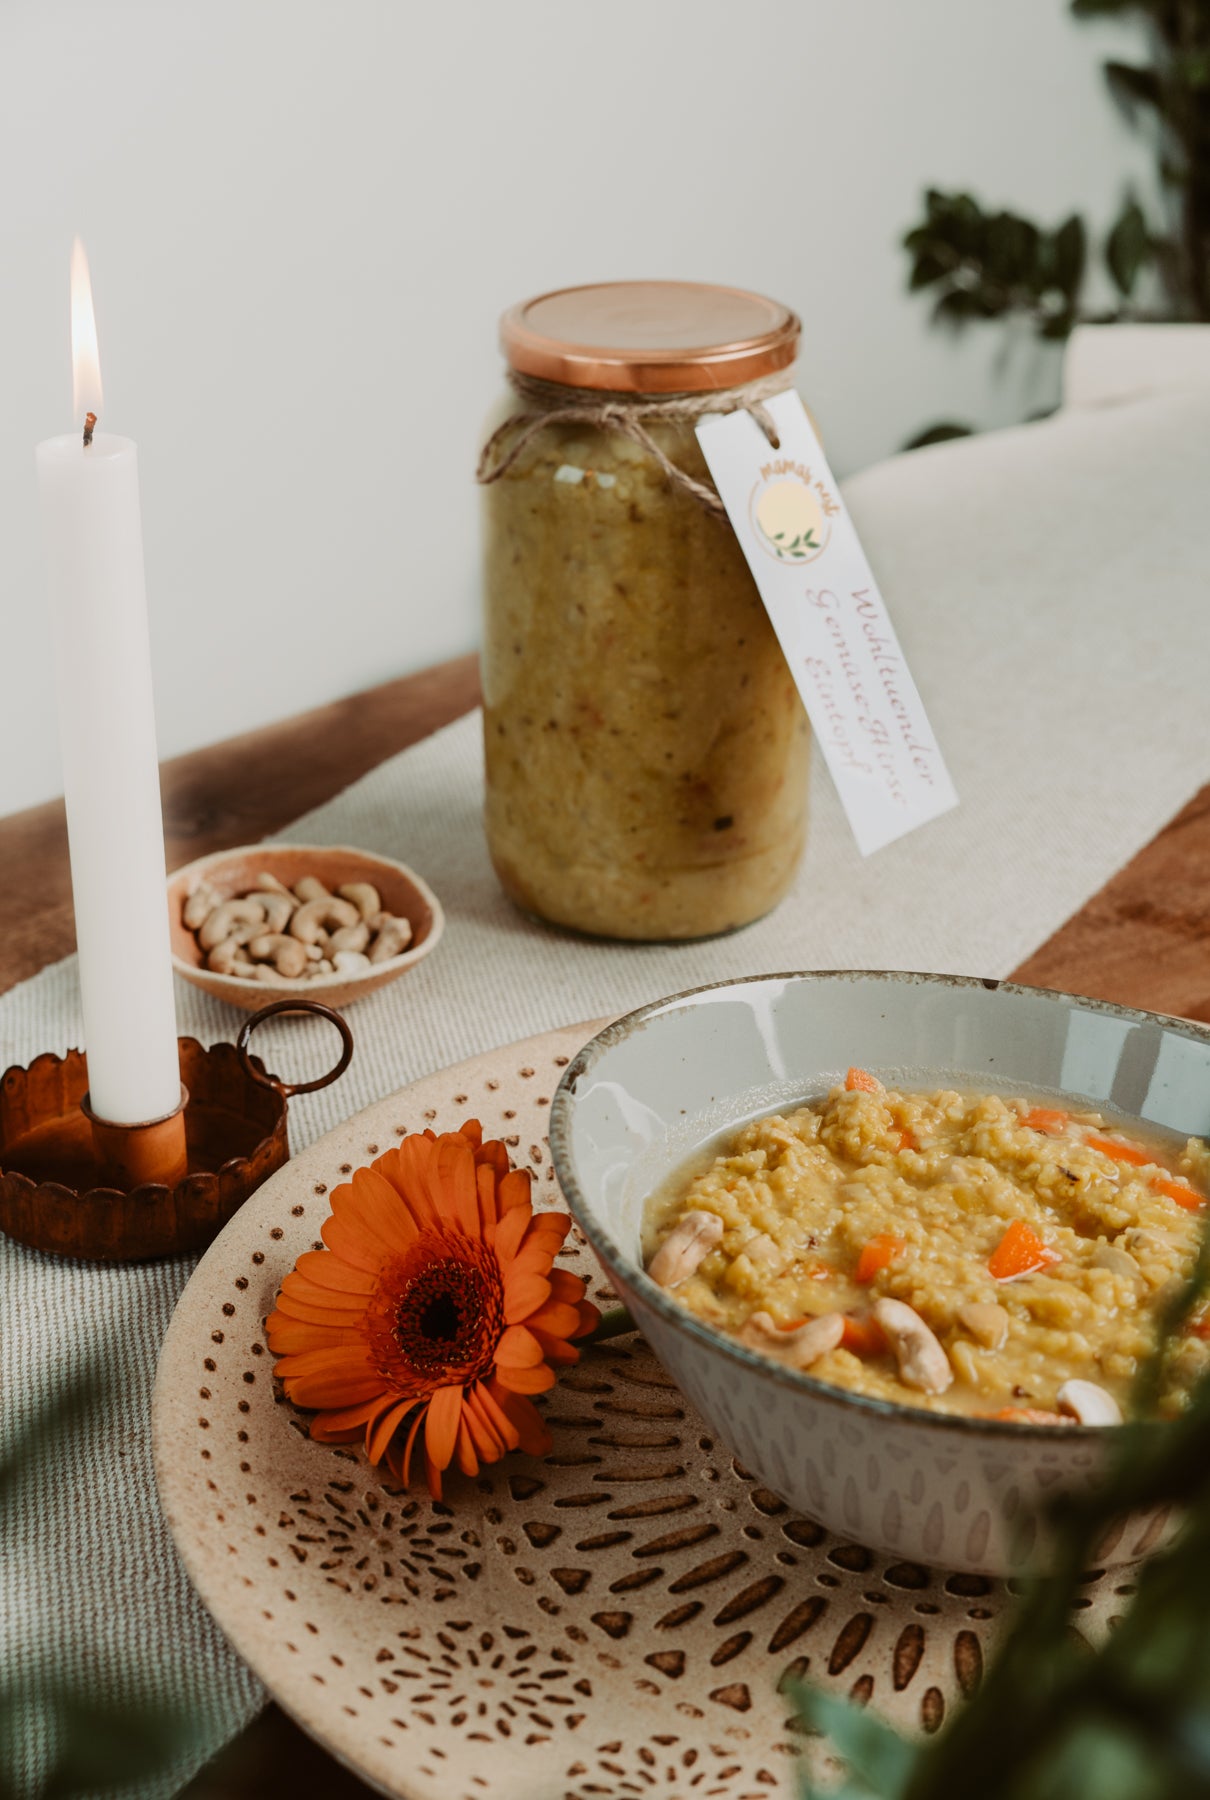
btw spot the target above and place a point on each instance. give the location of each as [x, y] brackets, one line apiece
[352, 1418]
[464, 1449]
[346, 1240]
[472, 1131]
[485, 1188]
[514, 1190]
[370, 1202]
[522, 1418]
[590, 1318]
[526, 1381]
[493, 1155]
[432, 1474]
[380, 1431]
[523, 1294]
[414, 1174]
[293, 1303]
[455, 1174]
[509, 1231]
[328, 1271]
[555, 1316]
[518, 1348]
[441, 1425]
[479, 1421]
[289, 1336]
[566, 1286]
[555, 1349]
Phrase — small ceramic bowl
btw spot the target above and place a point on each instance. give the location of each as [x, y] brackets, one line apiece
[232, 872]
[964, 1493]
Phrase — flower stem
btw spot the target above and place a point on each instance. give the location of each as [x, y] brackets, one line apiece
[611, 1324]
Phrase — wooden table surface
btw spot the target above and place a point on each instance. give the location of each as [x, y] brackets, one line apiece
[1142, 940]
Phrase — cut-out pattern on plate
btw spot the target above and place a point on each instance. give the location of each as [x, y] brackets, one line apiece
[615, 1620]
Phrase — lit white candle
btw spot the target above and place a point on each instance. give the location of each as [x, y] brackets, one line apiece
[94, 552]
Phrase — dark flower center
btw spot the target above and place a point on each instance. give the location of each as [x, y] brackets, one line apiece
[443, 1312]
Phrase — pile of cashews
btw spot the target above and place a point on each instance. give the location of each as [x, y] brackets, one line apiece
[281, 936]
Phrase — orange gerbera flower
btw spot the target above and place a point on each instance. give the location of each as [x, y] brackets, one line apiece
[435, 1307]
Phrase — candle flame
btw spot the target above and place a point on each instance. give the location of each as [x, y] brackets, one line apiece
[85, 362]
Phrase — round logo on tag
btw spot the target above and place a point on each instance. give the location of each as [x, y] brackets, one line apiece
[791, 513]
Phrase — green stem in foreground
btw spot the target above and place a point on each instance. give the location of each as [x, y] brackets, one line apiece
[613, 1323]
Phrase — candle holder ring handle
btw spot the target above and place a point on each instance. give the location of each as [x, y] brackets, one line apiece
[295, 1006]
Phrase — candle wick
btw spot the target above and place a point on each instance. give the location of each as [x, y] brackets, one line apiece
[90, 425]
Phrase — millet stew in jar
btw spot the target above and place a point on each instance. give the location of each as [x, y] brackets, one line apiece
[646, 746]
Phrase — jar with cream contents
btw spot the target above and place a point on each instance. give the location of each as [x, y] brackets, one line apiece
[646, 746]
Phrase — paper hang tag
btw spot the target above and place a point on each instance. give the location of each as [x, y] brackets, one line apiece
[830, 619]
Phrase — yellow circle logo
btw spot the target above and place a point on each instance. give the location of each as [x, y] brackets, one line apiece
[791, 514]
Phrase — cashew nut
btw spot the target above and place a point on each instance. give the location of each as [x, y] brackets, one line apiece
[287, 955]
[200, 904]
[1090, 1404]
[228, 919]
[688, 1243]
[311, 888]
[800, 1347]
[271, 884]
[325, 913]
[350, 962]
[1120, 1262]
[391, 937]
[922, 1362]
[766, 1253]
[363, 896]
[279, 908]
[350, 937]
[986, 1322]
[227, 958]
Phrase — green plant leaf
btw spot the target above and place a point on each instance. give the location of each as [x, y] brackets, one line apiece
[873, 1751]
[1070, 251]
[1134, 86]
[1128, 247]
[941, 433]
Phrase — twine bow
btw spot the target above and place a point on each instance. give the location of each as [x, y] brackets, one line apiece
[551, 403]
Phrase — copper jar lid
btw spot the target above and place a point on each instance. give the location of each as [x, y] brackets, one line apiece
[650, 337]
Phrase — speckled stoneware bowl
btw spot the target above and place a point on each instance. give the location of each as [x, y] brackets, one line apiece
[649, 1089]
[232, 872]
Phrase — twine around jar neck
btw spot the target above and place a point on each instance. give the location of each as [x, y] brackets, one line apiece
[551, 403]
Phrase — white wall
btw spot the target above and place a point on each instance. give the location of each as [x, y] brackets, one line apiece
[304, 217]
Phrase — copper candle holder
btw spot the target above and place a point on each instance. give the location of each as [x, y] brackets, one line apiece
[75, 1185]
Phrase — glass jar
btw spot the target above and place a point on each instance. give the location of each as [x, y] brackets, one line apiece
[646, 746]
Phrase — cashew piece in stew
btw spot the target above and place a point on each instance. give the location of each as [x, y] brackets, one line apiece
[198, 907]
[922, 1362]
[986, 1321]
[364, 897]
[1090, 1404]
[228, 958]
[315, 917]
[287, 955]
[279, 908]
[227, 919]
[688, 1243]
[800, 1347]
[392, 937]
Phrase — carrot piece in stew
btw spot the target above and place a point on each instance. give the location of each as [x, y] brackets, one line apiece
[1123, 1153]
[1019, 1252]
[1029, 1415]
[1048, 1119]
[1184, 1195]
[879, 1253]
[864, 1337]
[861, 1081]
